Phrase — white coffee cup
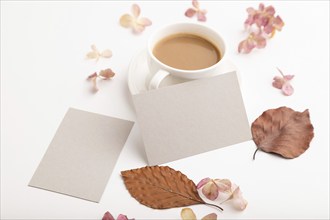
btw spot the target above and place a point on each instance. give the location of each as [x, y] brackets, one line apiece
[158, 70]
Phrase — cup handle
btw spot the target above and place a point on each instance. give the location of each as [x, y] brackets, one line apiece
[157, 79]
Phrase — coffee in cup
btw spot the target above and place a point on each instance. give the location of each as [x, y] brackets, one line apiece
[184, 50]
[187, 52]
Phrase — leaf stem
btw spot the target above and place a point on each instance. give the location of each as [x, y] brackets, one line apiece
[214, 206]
[254, 155]
[280, 71]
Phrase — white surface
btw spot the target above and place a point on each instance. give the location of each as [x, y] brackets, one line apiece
[43, 73]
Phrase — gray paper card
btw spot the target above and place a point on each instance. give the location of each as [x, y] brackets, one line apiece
[82, 155]
[191, 118]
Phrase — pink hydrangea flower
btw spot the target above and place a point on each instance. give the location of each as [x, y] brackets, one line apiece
[224, 190]
[211, 188]
[134, 21]
[253, 41]
[103, 74]
[189, 214]
[96, 54]
[283, 83]
[195, 10]
[108, 216]
[259, 16]
[264, 18]
[261, 24]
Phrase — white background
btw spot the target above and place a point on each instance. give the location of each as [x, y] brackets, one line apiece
[43, 73]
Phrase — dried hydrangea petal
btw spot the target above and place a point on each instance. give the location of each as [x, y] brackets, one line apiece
[269, 10]
[93, 75]
[210, 190]
[223, 184]
[126, 20]
[190, 12]
[95, 88]
[92, 55]
[269, 28]
[260, 41]
[278, 23]
[138, 28]
[278, 82]
[203, 182]
[238, 201]
[246, 46]
[195, 3]
[288, 77]
[287, 89]
[188, 214]
[144, 21]
[201, 15]
[135, 9]
[107, 73]
[122, 217]
[211, 216]
[261, 7]
[108, 216]
[106, 53]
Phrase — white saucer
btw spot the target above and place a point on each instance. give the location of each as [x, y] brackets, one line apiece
[138, 71]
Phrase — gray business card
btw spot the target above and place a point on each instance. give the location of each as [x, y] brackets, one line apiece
[191, 118]
[82, 155]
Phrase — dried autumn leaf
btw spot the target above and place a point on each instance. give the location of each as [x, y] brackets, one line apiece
[161, 187]
[283, 131]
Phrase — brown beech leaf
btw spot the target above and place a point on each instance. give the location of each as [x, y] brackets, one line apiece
[161, 187]
[283, 131]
